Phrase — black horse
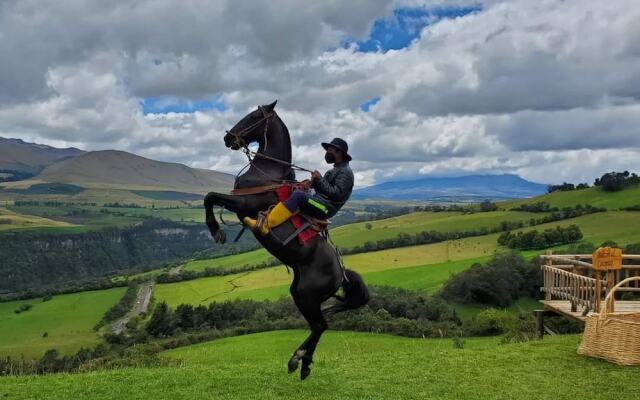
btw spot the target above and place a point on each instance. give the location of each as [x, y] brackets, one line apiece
[317, 272]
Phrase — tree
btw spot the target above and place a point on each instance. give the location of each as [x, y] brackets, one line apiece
[160, 322]
[487, 205]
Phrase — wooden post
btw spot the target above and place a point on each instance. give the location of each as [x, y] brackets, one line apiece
[547, 295]
[539, 323]
[611, 274]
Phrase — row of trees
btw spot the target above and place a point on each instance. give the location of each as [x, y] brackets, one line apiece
[616, 181]
[540, 240]
[610, 182]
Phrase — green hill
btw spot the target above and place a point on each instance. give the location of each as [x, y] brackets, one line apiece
[67, 319]
[594, 196]
[351, 366]
[392, 267]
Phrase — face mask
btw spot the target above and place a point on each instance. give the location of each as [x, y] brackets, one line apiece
[329, 158]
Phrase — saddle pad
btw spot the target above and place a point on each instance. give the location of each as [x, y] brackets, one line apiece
[283, 193]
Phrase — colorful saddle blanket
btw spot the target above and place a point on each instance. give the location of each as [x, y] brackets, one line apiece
[283, 193]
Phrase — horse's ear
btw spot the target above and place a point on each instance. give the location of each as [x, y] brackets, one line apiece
[270, 107]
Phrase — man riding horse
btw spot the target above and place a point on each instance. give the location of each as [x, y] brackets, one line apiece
[331, 192]
[317, 269]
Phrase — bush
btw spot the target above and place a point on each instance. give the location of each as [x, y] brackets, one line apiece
[22, 308]
[540, 240]
[501, 281]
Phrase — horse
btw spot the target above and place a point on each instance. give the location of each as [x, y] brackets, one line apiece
[317, 270]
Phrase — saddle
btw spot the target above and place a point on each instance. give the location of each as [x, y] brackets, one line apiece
[307, 227]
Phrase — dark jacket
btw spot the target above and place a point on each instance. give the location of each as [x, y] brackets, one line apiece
[335, 187]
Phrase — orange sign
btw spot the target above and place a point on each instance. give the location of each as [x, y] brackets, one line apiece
[607, 258]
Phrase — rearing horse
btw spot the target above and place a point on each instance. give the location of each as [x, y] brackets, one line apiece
[317, 273]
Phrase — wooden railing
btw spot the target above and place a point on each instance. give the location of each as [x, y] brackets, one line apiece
[570, 277]
[579, 290]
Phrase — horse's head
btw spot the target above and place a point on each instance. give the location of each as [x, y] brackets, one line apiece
[251, 128]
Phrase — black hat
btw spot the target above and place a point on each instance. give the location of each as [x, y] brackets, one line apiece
[340, 145]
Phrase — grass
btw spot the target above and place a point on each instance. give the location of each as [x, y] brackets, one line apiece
[68, 319]
[357, 234]
[594, 196]
[390, 266]
[10, 220]
[424, 267]
[351, 366]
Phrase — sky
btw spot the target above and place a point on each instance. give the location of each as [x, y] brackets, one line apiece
[546, 89]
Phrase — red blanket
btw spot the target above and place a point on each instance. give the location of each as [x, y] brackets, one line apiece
[283, 193]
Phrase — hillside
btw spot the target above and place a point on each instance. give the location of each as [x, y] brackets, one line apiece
[68, 321]
[119, 169]
[351, 366]
[17, 155]
[463, 188]
[594, 196]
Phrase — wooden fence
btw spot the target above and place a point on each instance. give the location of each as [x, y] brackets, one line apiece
[571, 277]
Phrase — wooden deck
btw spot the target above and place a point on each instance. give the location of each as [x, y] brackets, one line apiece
[563, 307]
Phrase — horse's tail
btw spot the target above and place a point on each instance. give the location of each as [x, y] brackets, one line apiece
[356, 294]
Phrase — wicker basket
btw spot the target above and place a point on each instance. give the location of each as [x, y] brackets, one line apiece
[613, 336]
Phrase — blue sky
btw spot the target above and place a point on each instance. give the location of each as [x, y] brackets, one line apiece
[168, 104]
[400, 29]
[395, 32]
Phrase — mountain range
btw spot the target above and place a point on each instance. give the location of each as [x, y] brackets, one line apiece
[103, 169]
[462, 188]
[123, 170]
[31, 158]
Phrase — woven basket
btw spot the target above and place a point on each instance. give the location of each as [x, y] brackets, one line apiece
[613, 336]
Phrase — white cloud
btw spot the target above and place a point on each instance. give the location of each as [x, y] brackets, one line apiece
[548, 89]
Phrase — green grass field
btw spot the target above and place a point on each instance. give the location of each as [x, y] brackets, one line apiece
[273, 282]
[351, 366]
[68, 319]
[409, 267]
[357, 234]
[594, 196]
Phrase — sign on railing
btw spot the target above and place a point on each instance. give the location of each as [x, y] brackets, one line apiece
[607, 258]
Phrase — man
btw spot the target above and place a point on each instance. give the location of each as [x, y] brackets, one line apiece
[331, 191]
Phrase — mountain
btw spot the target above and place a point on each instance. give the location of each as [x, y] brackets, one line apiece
[119, 169]
[463, 188]
[30, 158]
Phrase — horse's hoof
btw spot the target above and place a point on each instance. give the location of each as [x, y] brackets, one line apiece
[294, 361]
[305, 372]
[220, 236]
[293, 364]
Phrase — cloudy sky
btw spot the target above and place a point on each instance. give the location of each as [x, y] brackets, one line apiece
[549, 90]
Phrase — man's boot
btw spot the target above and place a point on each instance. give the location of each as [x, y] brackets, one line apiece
[278, 214]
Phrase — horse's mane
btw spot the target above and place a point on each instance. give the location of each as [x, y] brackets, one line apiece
[288, 156]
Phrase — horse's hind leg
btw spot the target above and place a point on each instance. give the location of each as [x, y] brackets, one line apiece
[310, 309]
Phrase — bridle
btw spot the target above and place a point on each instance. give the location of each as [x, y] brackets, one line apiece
[239, 137]
[241, 143]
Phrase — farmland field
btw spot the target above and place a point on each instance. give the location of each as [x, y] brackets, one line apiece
[352, 366]
[67, 319]
[10, 220]
[386, 266]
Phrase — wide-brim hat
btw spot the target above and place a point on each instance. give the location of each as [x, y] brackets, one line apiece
[340, 145]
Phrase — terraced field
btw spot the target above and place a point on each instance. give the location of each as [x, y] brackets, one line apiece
[351, 366]
[67, 319]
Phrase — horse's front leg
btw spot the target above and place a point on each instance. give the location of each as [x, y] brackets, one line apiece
[232, 203]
